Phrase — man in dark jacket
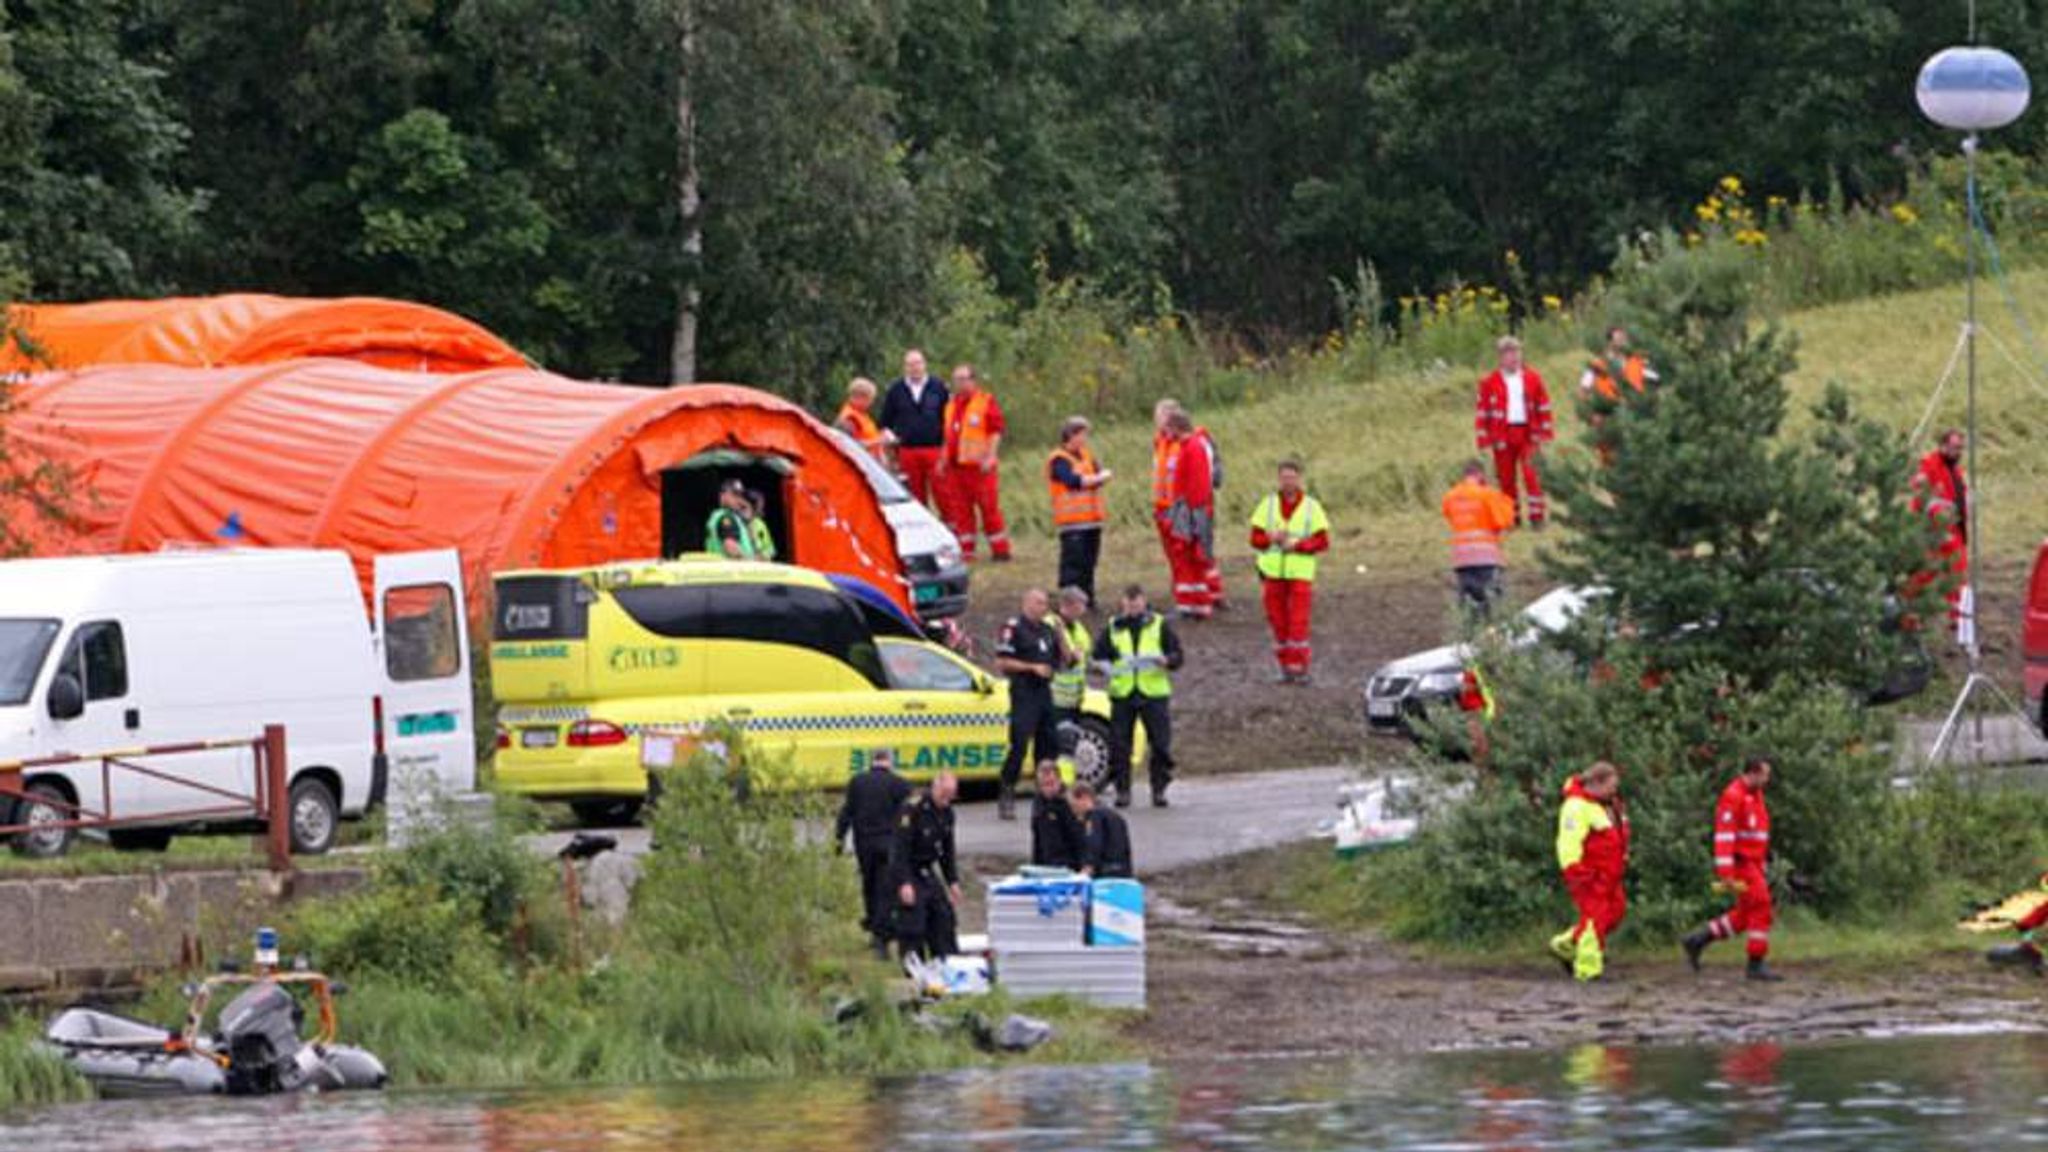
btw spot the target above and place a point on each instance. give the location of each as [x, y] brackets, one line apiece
[924, 872]
[1105, 838]
[1138, 653]
[873, 798]
[913, 420]
[1056, 840]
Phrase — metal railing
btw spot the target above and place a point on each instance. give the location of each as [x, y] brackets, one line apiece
[267, 804]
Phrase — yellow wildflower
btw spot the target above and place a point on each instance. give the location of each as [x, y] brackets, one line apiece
[1751, 238]
[1731, 185]
[1904, 214]
[1553, 303]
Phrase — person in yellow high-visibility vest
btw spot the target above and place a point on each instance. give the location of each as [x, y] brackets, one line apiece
[1138, 652]
[1592, 856]
[1289, 532]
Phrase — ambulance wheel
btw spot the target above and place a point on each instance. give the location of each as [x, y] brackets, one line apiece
[43, 803]
[1086, 742]
[605, 813]
[315, 816]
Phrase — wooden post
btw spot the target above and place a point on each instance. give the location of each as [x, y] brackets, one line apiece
[278, 841]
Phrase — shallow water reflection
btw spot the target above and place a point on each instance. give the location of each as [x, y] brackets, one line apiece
[1985, 1091]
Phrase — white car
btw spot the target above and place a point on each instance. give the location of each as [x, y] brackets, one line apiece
[111, 654]
[930, 551]
[1403, 690]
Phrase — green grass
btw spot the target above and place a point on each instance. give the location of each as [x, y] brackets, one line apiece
[1381, 452]
[30, 1077]
[1355, 896]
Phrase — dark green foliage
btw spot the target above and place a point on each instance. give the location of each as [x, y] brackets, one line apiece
[518, 160]
[1727, 543]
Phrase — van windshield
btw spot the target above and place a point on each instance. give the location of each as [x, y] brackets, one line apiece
[888, 489]
[23, 644]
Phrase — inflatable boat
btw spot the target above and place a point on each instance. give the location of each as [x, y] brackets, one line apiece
[256, 1049]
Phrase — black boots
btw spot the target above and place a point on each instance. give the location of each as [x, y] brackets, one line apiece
[1694, 945]
[1006, 804]
[1761, 972]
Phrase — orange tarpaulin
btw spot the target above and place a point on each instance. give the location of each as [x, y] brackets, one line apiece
[219, 331]
[516, 467]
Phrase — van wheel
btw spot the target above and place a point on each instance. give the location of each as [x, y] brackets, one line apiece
[42, 803]
[139, 839]
[605, 813]
[1087, 742]
[315, 816]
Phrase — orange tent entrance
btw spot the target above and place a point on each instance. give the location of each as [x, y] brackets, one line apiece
[516, 468]
[219, 331]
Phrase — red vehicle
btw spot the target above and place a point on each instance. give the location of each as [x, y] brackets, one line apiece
[2035, 639]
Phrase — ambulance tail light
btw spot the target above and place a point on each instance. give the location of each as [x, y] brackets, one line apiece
[595, 734]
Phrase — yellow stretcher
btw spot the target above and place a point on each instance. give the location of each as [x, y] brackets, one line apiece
[2001, 917]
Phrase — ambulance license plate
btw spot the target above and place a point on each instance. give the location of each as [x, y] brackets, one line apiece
[536, 737]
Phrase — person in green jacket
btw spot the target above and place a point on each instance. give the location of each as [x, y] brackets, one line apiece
[757, 525]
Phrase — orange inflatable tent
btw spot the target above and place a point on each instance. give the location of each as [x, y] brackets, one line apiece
[220, 331]
[516, 467]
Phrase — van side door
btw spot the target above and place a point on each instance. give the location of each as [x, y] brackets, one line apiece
[428, 714]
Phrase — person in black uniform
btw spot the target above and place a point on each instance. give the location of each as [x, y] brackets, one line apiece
[1105, 838]
[924, 872]
[873, 798]
[1055, 830]
[1029, 651]
[1139, 652]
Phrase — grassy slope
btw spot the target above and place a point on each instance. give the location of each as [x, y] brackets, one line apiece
[1380, 453]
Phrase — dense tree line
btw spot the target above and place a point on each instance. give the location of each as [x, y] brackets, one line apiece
[780, 179]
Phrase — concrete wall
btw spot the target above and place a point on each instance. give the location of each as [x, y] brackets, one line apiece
[73, 933]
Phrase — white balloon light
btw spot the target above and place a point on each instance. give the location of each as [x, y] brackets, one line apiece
[1972, 89]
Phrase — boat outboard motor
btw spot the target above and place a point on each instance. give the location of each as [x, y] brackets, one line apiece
[259, 1031]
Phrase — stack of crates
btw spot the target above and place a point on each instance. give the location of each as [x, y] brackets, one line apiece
[1068, 936]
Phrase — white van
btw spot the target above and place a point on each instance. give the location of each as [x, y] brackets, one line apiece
[104, 653]
[930, 551]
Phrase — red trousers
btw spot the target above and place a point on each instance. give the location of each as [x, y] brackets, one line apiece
[965, 492]
[1602, 906]
[1191, 595]
[1752, 912]
[1288, 604]
[918, 465]
[1516, 461]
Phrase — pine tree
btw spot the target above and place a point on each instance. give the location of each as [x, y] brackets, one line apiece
[1726, 539]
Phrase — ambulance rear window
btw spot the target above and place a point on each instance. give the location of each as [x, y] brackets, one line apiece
[542, 608]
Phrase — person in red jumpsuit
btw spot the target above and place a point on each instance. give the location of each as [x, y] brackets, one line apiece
[1742, 843]
[1592, 856]
[1191, 521]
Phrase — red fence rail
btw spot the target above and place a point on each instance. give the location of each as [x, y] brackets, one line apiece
[268, 803]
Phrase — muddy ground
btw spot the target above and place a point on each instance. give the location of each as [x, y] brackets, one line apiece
[1229, 716]
[1228, 977]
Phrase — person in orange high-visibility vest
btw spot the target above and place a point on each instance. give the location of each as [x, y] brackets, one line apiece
[1165, 460]
[1599, 378]
[967, 477]
[1742, 846]
[1078, 508]
[856, 418]
[1601, 384]
[1478, 515]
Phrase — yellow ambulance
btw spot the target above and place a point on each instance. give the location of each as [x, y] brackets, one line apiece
[592, 665]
